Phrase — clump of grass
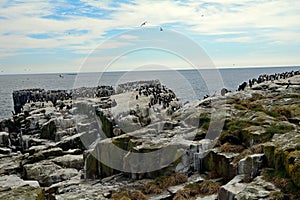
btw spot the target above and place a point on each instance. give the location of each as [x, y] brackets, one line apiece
[129, 195]
[163, 182]
[192, 190]
[204, 120]
[256, 96]
[278, 129]
[233, 131]
[232, 148]
[234, 125]
[152, 188]
[280, 111]
[247, 104]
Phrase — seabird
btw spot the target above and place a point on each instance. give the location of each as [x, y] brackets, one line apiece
[161, 29]
[144, 23]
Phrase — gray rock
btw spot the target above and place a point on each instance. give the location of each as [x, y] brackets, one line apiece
[44, 154]
[4, 150]
[251, 165]
[4, 139]
[232, 188]
[69, 161]
[48, 130]
[13, 181]
[41, 171]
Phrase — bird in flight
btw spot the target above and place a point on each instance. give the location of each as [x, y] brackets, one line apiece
[144, 23]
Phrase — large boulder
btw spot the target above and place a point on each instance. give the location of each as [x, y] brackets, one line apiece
[44, 154]
[13, 181]
[48, 173]
[11, 164]
[221, 163]
[25, 192]
[49, 129]
[251, 165]
[238, 189]
[4, 139]
[69, 161]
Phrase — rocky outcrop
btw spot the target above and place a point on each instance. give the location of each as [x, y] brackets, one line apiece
[283, 153]
[238, 189]
[100, 143]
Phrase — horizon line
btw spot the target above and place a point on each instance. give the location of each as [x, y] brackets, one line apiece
[184, 69]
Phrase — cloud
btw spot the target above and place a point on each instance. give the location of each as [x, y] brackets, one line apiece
[78, 28]
[235, 39]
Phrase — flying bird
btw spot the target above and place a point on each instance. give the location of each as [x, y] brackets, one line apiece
[144, 23]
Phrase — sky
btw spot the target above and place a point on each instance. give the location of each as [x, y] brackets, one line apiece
[39, 36]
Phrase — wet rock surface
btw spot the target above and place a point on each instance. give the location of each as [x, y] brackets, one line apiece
[67, 144]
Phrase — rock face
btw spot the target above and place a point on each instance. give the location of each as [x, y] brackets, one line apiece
[4, 139]
[48, 173]
[282, 152]
[250, 166]
[95, 142]
[237, 189]
[14, 188]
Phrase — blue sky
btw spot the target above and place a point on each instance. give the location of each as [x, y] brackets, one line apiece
[39, 36]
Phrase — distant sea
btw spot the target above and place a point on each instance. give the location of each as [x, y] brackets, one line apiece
[187, 84]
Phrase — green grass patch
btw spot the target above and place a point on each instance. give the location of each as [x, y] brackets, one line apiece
[204, 120]
[279, 129]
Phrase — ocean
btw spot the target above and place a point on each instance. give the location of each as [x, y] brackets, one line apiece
[187, 84]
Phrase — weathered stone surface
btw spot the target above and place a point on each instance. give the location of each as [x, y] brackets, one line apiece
[11, 164]
[48, 130]
[283, 153]
[221, 163]
[41, 171]
[251, 165]
[44, 154]
[4, 139]
[69, 161]
[158, 121]
[24, 193]
[72, 142]
[257, 189]
[13, 181]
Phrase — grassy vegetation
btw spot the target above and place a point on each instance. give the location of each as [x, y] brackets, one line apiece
[248, 104]
[233, 131]
[281, 180]
[191, 191]
[278, 129]
[279, 111]
[232, 148]
[162, 183]
[129, 195]
[204, 120]
[256, 96]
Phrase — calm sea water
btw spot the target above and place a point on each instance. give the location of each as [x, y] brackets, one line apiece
[187, 84]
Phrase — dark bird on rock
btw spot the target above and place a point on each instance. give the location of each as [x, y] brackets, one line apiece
[144, 23]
